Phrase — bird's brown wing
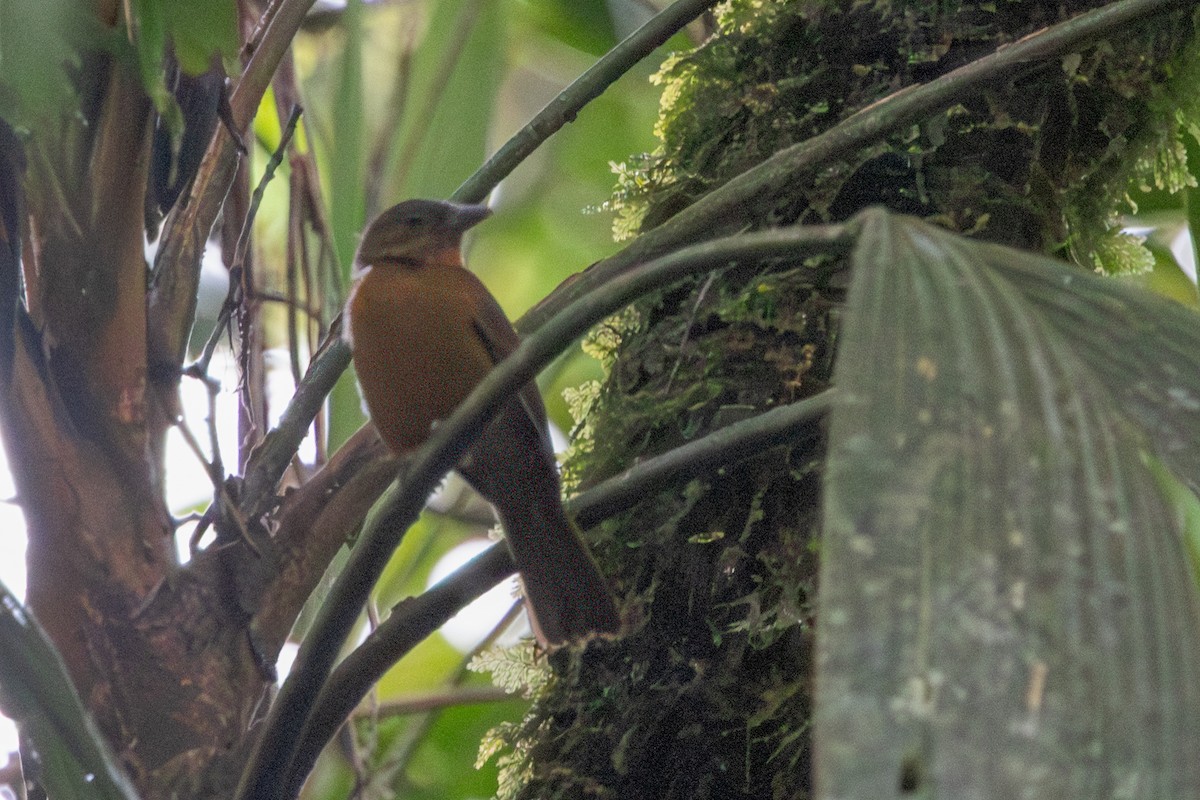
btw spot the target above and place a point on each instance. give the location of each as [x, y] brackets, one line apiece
[500, 339]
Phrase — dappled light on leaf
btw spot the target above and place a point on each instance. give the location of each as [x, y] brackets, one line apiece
[1008, 607]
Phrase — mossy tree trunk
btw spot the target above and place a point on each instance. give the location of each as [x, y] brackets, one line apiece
[711, 695]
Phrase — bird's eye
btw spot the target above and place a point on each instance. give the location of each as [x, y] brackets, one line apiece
[414, 221]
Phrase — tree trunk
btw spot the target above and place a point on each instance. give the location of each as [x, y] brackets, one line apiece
[710, 695]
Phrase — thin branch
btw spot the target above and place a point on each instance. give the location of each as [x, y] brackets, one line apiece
[435, 701]
[586, 88]
[176, 274]
[235, 274]
[411, 622]
[416, 618]
[726, 445]
[275, 748]
[751, 194]
[289, 129]
[194, 445]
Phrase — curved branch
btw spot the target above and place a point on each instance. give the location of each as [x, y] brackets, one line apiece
[412, 620]
[748, 196]
[586, 88]
[723, 446]
[426, 702]
[275, 748]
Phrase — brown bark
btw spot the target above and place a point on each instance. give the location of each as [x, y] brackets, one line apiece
[170, 660]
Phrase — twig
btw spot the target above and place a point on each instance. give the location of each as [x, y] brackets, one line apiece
[435, 701]
[723, 446]
[289, 129]
[193, 444]
[586, 88]
[220, 492]
[232, 298]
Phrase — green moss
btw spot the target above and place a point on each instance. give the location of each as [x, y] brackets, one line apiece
[1042, 161]
[708, 694]
[716, 573]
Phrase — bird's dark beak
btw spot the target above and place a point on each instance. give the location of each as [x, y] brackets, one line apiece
[468, 216]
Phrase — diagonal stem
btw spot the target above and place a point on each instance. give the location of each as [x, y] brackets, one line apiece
[586, 88]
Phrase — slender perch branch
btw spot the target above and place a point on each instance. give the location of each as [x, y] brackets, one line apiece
[586, 88]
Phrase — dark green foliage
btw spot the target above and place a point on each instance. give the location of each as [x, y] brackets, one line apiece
[1042, 161]
[36, 692]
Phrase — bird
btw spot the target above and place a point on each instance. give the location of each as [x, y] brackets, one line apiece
[424, 331]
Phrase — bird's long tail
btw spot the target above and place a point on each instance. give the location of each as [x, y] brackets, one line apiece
[567, 596]
[513, 467]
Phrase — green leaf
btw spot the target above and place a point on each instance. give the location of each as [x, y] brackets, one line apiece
[583, 24]
[1008, 605]
[200, 29]
[347, 157]
[39, 40]
[197, 30]
[36, 692]
[443, 138]
[1186, 506]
